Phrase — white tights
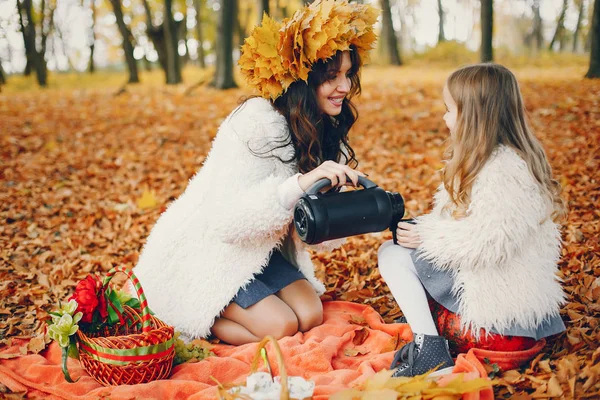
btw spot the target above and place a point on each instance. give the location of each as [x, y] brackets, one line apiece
[397, 269]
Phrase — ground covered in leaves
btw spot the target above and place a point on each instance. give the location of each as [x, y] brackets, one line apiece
[85, 173]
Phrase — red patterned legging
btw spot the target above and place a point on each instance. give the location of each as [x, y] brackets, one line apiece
[448, 324]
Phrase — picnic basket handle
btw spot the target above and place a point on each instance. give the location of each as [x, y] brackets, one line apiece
[146, 320]
[285, 394]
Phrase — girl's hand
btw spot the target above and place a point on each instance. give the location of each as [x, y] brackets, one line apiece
[338, 174]
[407, 235]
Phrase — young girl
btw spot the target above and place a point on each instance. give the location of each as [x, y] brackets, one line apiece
[224, 257]
[488, 251]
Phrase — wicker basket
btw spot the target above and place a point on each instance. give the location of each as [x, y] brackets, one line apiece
[225, 394]
[137, 351]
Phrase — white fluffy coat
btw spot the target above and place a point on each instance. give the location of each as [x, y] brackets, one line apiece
[504, 253]
[220, 232]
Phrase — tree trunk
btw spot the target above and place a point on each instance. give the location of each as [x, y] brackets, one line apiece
[537, 26]
[441, 35]
[594, 71]
[388, 35]
[173, 71]
[184, 34]
[487, 29]
[225, 26]
[2, 75]
[91, 65]
[127, 41]
[26, 42]
[263, 7]
[200, 37]
[156, 35]
[560, 26]
[577, 32]
[35, 58]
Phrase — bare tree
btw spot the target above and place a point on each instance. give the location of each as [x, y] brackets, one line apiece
[441, 35]
[388, 35]
[165, 38]
[60, 37]
[537, 25]
[577, 33]
[173, 71]
[594, 71]
[560, 25]
[200, 36]
[2, 75]
[225, 26]
[127, 41]
[36, 58]
[487, 28]
[92, 38]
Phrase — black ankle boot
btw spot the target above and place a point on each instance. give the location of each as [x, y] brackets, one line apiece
[425, 352]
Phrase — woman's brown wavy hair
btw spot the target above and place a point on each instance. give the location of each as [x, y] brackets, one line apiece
[318, 137]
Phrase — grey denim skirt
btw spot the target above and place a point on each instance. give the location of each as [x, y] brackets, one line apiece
[278, 274]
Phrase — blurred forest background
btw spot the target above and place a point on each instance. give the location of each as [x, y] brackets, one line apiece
[47, 39]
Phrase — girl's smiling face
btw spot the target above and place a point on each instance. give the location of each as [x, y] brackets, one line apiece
[451, 110]
[332, 92]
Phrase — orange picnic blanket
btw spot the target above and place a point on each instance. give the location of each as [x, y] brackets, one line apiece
[352, 344]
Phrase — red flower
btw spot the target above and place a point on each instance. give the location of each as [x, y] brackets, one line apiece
[90, 297]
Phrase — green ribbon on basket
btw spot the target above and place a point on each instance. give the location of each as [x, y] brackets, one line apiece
[127, 356]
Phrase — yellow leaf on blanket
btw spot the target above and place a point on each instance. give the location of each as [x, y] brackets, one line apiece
[354, 352]
[148, 200]
[459, 385]
[414, 385]
[349, 394]
[380, 380]
[383, 394]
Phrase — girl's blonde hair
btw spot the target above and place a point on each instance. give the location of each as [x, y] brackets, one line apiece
[491, 113]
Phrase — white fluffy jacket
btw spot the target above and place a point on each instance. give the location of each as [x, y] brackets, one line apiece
[504, 253]
[221, 231]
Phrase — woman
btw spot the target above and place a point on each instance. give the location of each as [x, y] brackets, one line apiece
[224, 257]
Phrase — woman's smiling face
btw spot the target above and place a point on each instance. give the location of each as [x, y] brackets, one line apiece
[331, 93]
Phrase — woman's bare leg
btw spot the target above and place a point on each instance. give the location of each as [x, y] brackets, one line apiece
[233, 333]
[301, 297]
[270, 316]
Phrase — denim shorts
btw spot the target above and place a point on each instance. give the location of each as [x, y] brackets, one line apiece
[278, 274]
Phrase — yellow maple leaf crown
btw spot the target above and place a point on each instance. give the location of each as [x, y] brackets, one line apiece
[277, 54]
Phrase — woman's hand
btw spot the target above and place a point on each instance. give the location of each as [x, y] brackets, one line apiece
[407, 235]
[338, 174]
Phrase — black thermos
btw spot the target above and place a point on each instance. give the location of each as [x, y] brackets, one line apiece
[325, 216]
